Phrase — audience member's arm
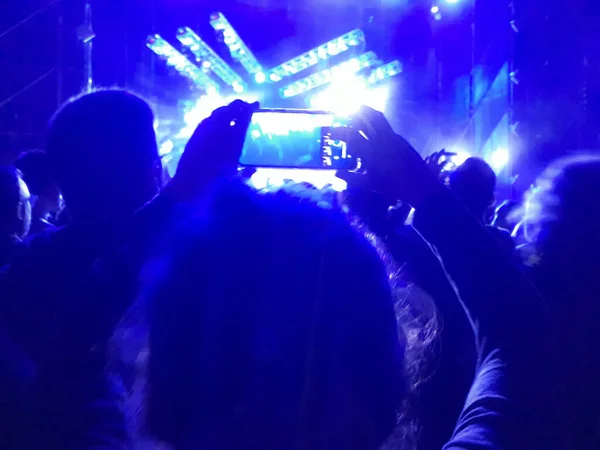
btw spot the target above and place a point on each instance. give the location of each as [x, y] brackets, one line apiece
[507, 314]
[508, 319]
[503, 305]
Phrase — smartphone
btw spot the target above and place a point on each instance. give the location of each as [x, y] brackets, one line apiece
[295, 139]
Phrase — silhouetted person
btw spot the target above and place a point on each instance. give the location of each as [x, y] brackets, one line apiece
[15, 213]
[59, 300]
[303, 350]
[563, 221]
[474, 183]
[62, 301]
[46, 199]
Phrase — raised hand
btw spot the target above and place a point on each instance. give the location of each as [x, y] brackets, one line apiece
[213, 151]
[388, 163]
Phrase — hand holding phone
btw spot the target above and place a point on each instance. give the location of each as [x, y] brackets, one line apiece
[298, 139]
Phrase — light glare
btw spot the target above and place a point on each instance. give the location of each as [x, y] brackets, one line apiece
[499, 158]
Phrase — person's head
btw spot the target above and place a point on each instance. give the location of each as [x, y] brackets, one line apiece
[15, 209]
[474, 183]
[563, 213]
[39, 177]
[273, 326]
[102, 147]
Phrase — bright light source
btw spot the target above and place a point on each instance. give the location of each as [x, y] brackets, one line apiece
[238, 87]
[166, 147]
[347, 68]
[452, 2]
[435, 9]
[321, 53]
[336, 99]
[499, 158]
[275, 177]
[260, 77]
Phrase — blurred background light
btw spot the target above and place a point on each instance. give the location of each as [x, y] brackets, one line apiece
[210, 60]
[435, 9]
[499, 158]
[459, 157]
[265, 178]
[317, 55]
[166, 147]
[335, 97]
[260, 77]
[348, 68]
[238, 50]
[181, 63]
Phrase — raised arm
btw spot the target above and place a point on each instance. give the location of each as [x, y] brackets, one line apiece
[509, 318]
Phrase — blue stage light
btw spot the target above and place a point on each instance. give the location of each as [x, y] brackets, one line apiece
[210, 60]
[343, 70]
[260, 77]
[384, 72]
[312, 57]
[452, 2]
[180, 63]
[237, 48]
[435, 9]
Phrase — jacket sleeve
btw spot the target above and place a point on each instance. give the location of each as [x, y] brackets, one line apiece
[509, 321]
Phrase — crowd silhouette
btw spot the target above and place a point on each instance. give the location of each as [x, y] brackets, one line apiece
[201, 313]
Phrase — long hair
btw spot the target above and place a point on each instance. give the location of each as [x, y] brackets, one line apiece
[273, 324]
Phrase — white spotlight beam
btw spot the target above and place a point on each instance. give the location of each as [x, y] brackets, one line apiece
[349, 67]
[210, 60]
[180, 63]
[237, 48]
[312, 57]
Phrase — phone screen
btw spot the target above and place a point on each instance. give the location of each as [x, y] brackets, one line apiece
[295, 139]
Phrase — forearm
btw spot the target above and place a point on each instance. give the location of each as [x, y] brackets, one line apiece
[501, 302]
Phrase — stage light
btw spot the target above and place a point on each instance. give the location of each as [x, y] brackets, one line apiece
[384, 72]
[435, 9]
[321, 53]
[452, 2]
[345, 69]
[336, 99]
[165, 148]
[260, 77]
[180, 63]
[499, 158]
[210, 60]
[237, 48]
